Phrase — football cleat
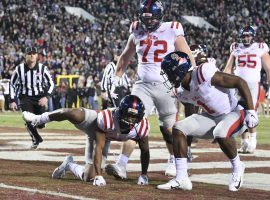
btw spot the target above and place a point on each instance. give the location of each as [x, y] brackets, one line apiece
[116, 170]
[236, 179]
[189, 155]
[60, 171]
[184, 184]
[171, 169]
[244, 146]
[34, 145]
[31, 118]
[143, 180]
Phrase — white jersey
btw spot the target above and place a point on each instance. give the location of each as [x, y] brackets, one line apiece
[248, 60]
[107, 121]
[215, 101]
[151, 48]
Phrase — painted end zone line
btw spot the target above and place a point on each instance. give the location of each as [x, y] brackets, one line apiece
[2, 185]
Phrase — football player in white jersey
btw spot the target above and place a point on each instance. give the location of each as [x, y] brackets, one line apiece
[151, 39]
[120, 124]
[249, 57]
[222, 118]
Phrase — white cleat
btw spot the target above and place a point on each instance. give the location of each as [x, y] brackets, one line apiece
[31, 118]
[236, 179]
[116, 170]
[171, 169]
[244, 147]
[60, 171]
[189, 155]
[143, 180]
[184, 184]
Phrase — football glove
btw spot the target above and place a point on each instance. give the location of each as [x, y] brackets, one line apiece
[99, 181]
[115, 84]
[268, 94]
[251, 119]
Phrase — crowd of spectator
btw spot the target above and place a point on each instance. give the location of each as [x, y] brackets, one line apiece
[73, 45]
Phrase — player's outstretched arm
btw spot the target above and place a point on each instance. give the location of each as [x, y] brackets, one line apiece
[224, 80]
[125, 57]
[229, 66]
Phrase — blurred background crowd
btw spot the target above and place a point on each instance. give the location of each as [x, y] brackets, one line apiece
[70, 45]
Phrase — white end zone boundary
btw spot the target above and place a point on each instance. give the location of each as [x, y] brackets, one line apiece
[46, 192]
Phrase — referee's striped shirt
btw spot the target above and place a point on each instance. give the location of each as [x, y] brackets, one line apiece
[31, 82]
[107, 79]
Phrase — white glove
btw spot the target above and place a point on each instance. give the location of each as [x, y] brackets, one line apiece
[99, 181]
[251, 119]
[268, 94]
[115, 83]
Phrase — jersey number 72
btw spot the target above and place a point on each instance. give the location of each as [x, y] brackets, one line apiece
[149, 44]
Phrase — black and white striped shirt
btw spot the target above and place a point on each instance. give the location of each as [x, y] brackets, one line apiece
[107, 79]
[31, 82]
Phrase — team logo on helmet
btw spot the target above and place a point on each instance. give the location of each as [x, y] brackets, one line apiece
[174, 67]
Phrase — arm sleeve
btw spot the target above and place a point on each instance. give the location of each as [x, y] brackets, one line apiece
[12, 85]
[106, 78]
[49, 81]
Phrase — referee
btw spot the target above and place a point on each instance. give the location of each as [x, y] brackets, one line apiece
[32, 82]
[124, 84]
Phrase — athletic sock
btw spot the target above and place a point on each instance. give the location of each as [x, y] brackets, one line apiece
[252, 137]
[44, 118]
[122, 160]
[181, 168]
[243, 141]
[77, 170]
[236, 164]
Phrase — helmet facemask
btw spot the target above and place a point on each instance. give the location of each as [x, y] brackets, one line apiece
[130, 111]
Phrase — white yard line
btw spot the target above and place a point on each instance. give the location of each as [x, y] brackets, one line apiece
[2, 185]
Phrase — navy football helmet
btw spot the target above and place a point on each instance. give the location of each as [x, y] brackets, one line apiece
[151, 14]
[174, 67]
[247, 31]
[131, 111]
[199, 53]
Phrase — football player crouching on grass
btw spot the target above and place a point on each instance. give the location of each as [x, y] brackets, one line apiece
[222, 118]
[116, 124]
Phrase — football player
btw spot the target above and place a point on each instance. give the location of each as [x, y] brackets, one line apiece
[152, 39]
[246, 60]
[214, 91]
[119, 124]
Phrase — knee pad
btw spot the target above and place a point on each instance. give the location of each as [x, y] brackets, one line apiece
[167, 135]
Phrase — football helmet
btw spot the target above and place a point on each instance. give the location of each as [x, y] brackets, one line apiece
[151, 14]
[174, 67]
[199, 53]
[131, 111]
[247, 31]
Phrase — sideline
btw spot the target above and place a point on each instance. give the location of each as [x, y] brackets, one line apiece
[2, 185]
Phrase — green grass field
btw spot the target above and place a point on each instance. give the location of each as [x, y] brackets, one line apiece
[10, 119]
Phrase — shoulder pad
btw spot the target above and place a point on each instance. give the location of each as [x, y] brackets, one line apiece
[175, 25]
